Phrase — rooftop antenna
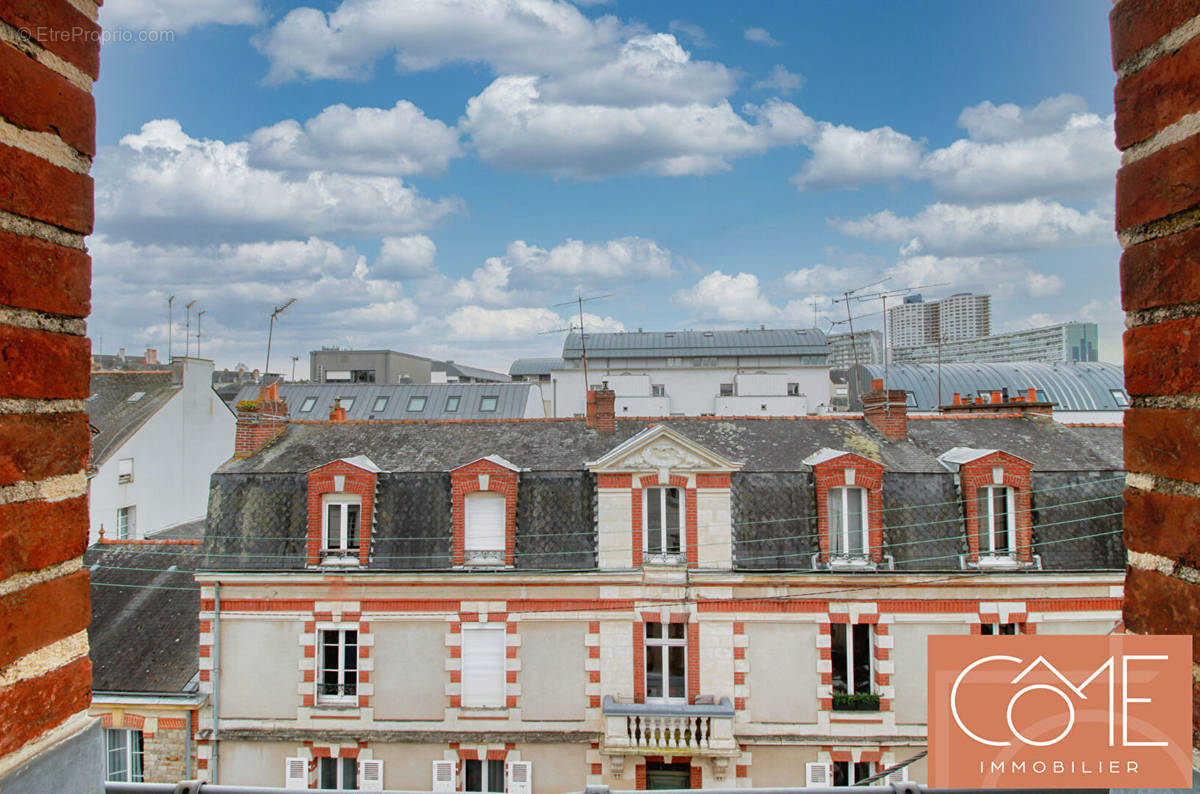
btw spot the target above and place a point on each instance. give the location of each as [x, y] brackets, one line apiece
[294, 360]
[187, 330]
[883, 295]
[280, 309]
[579, 300]
[198, 316]
[170, 326]
[847, 296]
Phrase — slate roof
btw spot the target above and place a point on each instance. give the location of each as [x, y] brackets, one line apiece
[1083, 386]
[511, 404]
[143, 637]
[464, 371]
[534, 366]
[111, 413]
[661, 344]
[762, 444]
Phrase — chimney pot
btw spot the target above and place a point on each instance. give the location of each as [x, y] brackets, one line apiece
[997, 397]
[877, 384]
[1031, 395]
[601, 410]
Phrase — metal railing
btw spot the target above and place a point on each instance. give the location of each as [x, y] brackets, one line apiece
[198, 787]
[681, 729]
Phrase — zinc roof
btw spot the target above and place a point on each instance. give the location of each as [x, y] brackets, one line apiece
[656, 344]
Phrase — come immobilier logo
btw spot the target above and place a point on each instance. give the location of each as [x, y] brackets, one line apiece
[1060, 711]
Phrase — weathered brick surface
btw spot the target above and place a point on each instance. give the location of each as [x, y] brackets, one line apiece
[44, 364]
[1164, 524]
[164, 760]
[34, 535]
[36, 446]
[37, 616]
[1161, 272]
[33, 97]
[1147, 346]
[1159, 95]
[59, 27]
[1159, 604]
[32, 707]
[1163, 441]
[38, 189]
[1160, 184]
[1136, 24]
[35, 274]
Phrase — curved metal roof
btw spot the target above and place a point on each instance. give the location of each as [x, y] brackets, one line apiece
[1083, 386]
[534, 366]
[658, 344]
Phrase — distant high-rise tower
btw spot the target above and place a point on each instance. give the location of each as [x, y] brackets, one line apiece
[961, 316]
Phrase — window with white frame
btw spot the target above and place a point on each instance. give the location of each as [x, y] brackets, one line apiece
[483, 666]
[341, 517]
[666, 662]
[997, 521]
[337, 675]
[483, 775]
[658, 390]
[126, 522]
[663, 524]
[123, 754]
[337, 773]
[125, 470]
[483, 524]
[849, 773]
[853, 688]
[847, 523]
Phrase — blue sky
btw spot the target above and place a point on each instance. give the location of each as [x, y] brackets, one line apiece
[435, 175]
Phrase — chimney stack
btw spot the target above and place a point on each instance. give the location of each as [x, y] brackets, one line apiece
[151, 356]
[259, 421]
[337, 413]
[602, 410]
[886, 411]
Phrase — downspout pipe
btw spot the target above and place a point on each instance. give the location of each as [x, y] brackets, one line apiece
[216, 681]
[187, 745]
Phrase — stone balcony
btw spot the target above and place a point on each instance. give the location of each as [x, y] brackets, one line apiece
[674, 729]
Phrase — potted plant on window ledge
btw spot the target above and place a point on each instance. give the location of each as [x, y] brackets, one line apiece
[863, 701]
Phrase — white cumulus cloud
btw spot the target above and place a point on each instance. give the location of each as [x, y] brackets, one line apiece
[525, 323]
[625, 257]
[396, 141]
[781, 80]
[844, 157]
[405, 257]
[161, 184]
[179, 16]
[760, 36]
[727, 298]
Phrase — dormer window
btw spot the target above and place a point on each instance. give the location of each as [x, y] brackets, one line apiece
[848, 524]
[342, 514]
[484, 533]
[997, 522]
[663, 522]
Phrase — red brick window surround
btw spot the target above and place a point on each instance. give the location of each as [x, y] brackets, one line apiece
[845, 484]
[996, 492]
[341, 507]
[472, 489]
[677, 635]
[654, 518]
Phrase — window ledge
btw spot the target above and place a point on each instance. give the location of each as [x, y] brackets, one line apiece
[851, 564]
[327, 706]
[998, 563]
[499, 712]
[341, 560]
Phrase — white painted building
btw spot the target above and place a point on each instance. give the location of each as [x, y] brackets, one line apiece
[157, 438]
[697, 373]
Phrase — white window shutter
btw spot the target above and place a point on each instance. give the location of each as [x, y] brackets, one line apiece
[370, 775]
[484, 520]
[817, 774]
[899, 776]
[483, 668]
[295, 775]
[443, 776]
[520, 777]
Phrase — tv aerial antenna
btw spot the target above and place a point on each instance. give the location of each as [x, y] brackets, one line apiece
[579, 301]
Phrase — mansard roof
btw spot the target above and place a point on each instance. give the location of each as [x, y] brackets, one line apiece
[766, 444]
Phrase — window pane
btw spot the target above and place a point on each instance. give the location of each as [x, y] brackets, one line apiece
[675, 631]
[452, 404]
[672, 521]
[654, 631]
[836, 547]
[654, 520]
[352, 526]
[839, 657]
[333, 523]
[349, 773]
[654, 672]
[495, 775]
[135, 757]
[984, 518]
[115, 739]
[854, 520]
[488, 404]
[1008, 628]
[1000, 511]
[987, 629]
[474, 775]
[862, 658]
[328, 773]
[862, 770]
[678, 669]
[380, 404]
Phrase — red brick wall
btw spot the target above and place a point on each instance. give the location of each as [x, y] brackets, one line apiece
[1156, 54]
[501, 480]
[977, 474]
[867, 474]
[360, 482]
[46, 152]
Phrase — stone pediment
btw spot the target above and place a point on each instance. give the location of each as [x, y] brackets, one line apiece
[660, 449]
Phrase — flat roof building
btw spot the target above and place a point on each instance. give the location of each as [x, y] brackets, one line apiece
[1065, 342]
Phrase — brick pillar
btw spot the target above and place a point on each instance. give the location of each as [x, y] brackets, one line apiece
[601, 410]
[887, 412]
[259, 421]
[1156, 53]
[47, 141]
